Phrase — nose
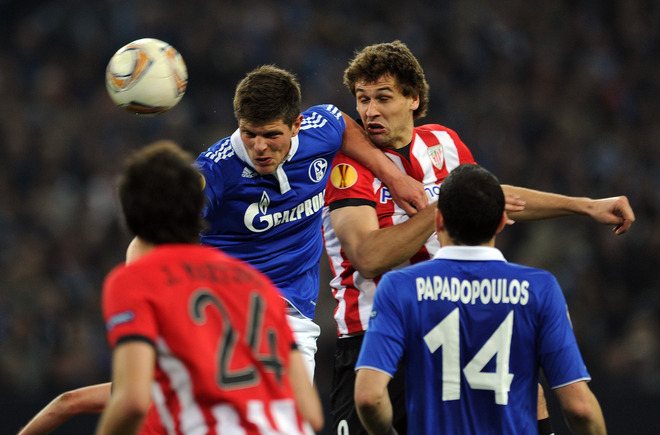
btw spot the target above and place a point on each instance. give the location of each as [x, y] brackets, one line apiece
[372, 109]
[260, 143]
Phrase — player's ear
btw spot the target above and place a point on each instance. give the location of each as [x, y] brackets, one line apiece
[295, 128]
[439, 221]
[415, 102]
[503, 222]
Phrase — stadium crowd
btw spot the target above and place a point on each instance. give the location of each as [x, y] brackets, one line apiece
[559, 96]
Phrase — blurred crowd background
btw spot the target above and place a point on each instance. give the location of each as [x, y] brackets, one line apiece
[562, 96]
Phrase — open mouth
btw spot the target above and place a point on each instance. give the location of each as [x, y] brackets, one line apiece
[375, 128]
[263, 161]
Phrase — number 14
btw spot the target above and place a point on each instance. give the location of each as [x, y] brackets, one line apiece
[446, 335]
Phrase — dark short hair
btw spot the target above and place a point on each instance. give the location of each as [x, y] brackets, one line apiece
[267, 94]
[390, 58]
[472, 202]
[161, 194]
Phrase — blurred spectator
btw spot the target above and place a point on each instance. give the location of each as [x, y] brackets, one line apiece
[573, 87]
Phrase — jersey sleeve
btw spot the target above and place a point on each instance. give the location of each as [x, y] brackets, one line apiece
[127, 309]
[349, 184]
[326, 124]
[559, 353]
[464, 153]
[211, 172]
[384, 340]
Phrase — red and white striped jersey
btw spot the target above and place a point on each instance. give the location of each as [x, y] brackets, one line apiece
[221, 338]
[435, 150]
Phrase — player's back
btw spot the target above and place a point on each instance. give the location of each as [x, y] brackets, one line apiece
[475, 334]
[221, 338]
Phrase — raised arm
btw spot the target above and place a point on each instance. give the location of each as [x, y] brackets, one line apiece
[86, 400]
[544, 205]
[373, 250]
[407, 192]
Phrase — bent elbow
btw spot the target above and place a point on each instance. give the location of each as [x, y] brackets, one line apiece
[316, 421]
[133, 407]
[368, 269]
[367, 401]
[581, 412]
[583, 415]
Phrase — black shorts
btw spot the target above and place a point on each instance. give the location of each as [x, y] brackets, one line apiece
[345, 420]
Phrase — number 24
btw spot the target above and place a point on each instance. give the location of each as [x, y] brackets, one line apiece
[446, 335]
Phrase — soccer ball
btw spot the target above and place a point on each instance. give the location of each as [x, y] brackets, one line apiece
[146, 77]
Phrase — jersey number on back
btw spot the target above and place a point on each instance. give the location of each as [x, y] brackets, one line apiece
[227, 378]
[446, 335]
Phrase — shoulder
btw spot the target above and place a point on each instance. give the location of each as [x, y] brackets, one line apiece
[116, 274]
[124, 282]
[219, 151]
[433, 127]
[436, 134]
[323, 116]
[329, 111]
[349, 180]
[439, 131]
[342, 159]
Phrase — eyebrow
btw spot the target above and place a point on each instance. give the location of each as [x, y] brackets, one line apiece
[381, 89]
[266, 133]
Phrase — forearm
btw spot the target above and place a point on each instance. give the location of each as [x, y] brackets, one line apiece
[48, 419]
[581, 409]
[545, 205]
[356, 145]
[86, 400]
[407, 192]
[582, 426]
[587, 419]
[377, 418]
[385, 248]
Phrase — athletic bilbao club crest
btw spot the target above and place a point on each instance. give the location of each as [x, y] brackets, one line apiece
[437, 155]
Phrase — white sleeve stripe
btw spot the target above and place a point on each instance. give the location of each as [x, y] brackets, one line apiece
[225, 151]
[587, 379]
[374, 369]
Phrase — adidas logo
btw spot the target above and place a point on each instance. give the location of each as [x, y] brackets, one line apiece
[247, 173]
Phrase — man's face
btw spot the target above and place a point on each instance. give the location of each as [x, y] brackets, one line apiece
[268, 144]
[387, 115]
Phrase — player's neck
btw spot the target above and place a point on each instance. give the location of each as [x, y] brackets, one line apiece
[137, 249]
[402, 140]
[445, 241]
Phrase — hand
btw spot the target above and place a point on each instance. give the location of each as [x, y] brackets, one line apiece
[613, 211]
[409, 194]
[512, 202]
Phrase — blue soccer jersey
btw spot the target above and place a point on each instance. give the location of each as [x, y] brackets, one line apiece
[473, 331]
[274, 221]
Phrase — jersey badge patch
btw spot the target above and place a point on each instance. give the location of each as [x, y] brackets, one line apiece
[317, 170]
[119, 319]
[343, 176]
[437, 155]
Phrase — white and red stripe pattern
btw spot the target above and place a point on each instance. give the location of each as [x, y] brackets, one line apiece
[433, 153]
